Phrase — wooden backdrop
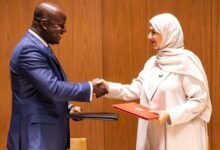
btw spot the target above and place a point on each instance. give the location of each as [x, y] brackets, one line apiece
[108, 39]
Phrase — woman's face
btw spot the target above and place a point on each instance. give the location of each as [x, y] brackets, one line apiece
[155, 38]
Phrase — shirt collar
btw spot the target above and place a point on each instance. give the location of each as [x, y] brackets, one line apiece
[38, 37]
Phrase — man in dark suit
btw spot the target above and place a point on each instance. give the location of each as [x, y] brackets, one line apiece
[40, 88]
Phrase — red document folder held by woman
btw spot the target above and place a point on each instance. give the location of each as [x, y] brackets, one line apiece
[136, 110]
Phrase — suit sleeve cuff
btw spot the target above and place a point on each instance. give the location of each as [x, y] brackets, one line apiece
[91, 89]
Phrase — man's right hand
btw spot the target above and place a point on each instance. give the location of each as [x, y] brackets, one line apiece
[99, 88]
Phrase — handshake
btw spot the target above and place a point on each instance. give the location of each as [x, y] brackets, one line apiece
[100, 87]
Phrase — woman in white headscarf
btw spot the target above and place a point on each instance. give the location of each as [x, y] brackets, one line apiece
[174, 84]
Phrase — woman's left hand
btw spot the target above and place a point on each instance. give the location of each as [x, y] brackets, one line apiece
[163, 116]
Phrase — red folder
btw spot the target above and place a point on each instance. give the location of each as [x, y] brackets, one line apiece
[136, 110]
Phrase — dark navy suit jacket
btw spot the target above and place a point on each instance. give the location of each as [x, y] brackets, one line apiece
[40, 94]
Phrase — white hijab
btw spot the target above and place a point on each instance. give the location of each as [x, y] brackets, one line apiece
[173, 57]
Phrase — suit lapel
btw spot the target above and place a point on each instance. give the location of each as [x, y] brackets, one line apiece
[56, 62]
[153, 79]
[49, 52]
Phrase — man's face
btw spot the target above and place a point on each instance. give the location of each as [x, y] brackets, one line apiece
[55, 29]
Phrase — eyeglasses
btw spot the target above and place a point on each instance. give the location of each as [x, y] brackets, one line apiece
[57, 26]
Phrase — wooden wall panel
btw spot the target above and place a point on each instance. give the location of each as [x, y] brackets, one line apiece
[4, 78]
[215, 48]
[108, 38]
[124, 54]
[14, 23]
[118, 38]
[80, 53]
[81, 56]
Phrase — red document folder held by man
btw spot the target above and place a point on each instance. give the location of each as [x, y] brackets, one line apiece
[137, 110]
